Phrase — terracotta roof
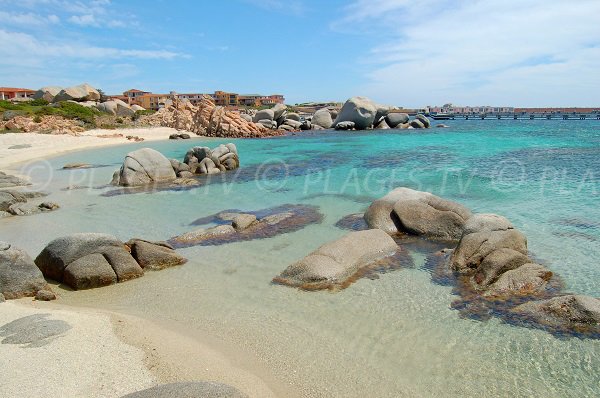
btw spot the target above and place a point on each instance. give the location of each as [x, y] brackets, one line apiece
[134, 90]
[11, 89]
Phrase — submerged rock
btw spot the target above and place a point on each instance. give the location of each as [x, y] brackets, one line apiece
[353, 222]
[87, 260]
[407, 211]
[334, 263]
[570, 314]
[19, 276]
[269, 222]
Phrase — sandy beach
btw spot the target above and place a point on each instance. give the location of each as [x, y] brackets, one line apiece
[18, 148]
[95, 353]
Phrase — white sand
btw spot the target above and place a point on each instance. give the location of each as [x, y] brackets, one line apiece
[87, 360]
[105, 354]
[48, 145]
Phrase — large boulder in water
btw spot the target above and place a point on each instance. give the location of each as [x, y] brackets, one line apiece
[83, 92]
[19, 276]
[424, 120]
[265, 114]
[405, 210]
[483, 235]
[322, 118]
[145, 166]
[87, 260]
[47, 93]
[334, 263]
[393, 119]
[278, 111]
[359, 110]
[527, 279]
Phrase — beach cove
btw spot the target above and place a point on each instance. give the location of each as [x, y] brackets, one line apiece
[395, 335]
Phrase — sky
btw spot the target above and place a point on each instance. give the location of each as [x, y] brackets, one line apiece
[397, 52]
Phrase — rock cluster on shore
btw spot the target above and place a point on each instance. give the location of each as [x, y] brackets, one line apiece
[147, 166]
[16, 203]
[207, 119]
[361, 113]
[80, 261]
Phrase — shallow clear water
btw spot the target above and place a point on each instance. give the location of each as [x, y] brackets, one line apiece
[393, 336]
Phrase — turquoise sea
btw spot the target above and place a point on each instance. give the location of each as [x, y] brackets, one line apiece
[392, 336]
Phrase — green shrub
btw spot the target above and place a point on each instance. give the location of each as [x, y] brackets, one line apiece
[9, 106]
[119, 120]
[37, 119]
[38, 102]
[138, 114]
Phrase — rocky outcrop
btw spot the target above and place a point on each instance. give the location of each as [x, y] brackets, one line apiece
[424, 120]
[483, 235]
[154, 255]
[206, 119]
[322, 118]
[143, 167]
[87, 260]
[16, 203]
[47, 93]
[123, 109]
[359, 110]
[407, 211]
[493, 255]
[179, 136]
[416, 124]
[204, 389]
[46, 124]
[265, 114]
[9, 181]
[382, 125]
[345, 126]
[564, 314]
[203, 160]
[335, 263]
[83, 92]
[393, 119]
[19, 276]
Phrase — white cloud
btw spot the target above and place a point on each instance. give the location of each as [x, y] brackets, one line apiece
[84, 20]
[27, 19]
[531, 52]
[26, 49]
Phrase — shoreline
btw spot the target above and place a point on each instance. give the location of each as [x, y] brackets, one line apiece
[152, 353]
[44, 146]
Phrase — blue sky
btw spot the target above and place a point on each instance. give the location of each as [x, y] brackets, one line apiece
[407, 53]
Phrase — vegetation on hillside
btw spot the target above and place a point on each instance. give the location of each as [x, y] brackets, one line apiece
[40, 107]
